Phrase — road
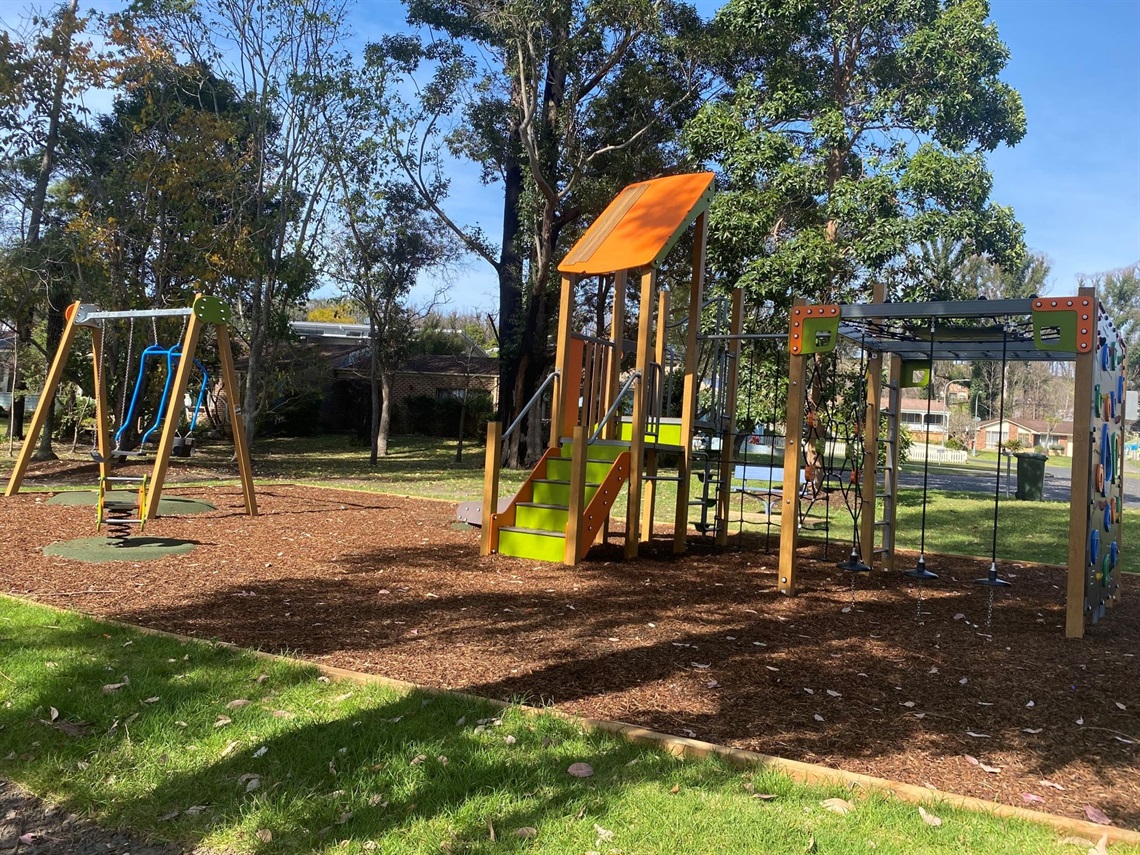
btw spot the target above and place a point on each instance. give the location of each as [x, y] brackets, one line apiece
[1056, 482]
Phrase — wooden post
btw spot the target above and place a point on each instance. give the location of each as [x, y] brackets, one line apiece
[640, 399]
[577, 501]
[47, 398]
[237, 424]
[613, 380]
[174, 408]
[689, 404]
[487, 540]
[728, 430]
[651, 455]
[102, 430]
[561, 390]
[1081, 467]
[790, 505]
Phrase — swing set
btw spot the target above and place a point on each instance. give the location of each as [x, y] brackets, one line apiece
[179, 362]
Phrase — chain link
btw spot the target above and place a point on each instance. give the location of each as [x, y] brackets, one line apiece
[990, 609]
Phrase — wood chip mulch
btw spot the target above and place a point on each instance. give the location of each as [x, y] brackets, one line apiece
[873, 680]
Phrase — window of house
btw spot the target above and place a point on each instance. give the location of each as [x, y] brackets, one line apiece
[442, 395]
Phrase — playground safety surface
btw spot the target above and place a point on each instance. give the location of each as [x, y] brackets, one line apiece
[701, 645]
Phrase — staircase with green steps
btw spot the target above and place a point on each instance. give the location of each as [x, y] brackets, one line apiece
[539, 523]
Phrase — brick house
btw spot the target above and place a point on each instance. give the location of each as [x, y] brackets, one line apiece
[1032, 433]
[923, 429]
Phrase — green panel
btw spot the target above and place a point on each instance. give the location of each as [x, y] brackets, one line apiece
[669, 433]
[601, 450]
[557, 492]
[820, 335]
[524, 544]
[915, 373]
[1055, 331]
[547, 519]
[558, 469]
[211, 310]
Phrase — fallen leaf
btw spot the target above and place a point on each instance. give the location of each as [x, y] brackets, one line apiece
[1033, 730]
[166, 817]
[229, 748]
[676, 789]
[252, 785]
[907, 704]
[29, 839]
[817, 717]
[53, 713]
[1101, 847]
[977, 735]
[238, 704]
[323, 679]
[973, 761]
[993, 770]
[1119, 706]
[963, 681]
[1045, 783]
[340, 698]
[509, 740]
[260, 752]
[114, 687]
[764, 796]
[1096, 815]
[580, 770]
[264, 835]
[527, 832]
[261, 678]
[928, 817]
[1032, 798]
[839, 806]
[1081, 720]
[834, 693]
[344, 817]
[701, 666]
[418, 759]
[713, 684]
[222, 721]
[604, 834]
[1030, 704]
[196, 809]
[153, 700]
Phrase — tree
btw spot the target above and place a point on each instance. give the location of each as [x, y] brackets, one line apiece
[851, 132]
[1119, 290]
[283, 57]
[390, 239]
[577, 100]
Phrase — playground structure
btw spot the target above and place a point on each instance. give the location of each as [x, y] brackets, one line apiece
[180, 360]
[563, 507]
[914, 336]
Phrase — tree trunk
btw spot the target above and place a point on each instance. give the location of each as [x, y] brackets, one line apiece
[510, 302]
[258, 312]
[385, 413]
[374, 381]
[55, 324]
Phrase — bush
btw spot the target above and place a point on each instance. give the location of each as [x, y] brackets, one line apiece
[955, 444]
[294, 415]
[430, 417]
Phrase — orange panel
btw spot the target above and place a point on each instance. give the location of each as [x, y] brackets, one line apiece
[640, 225]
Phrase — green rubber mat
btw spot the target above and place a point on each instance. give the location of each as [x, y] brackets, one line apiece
[168, 506]
[101, 549]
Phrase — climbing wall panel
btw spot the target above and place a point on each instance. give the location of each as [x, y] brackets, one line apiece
[1106, 477]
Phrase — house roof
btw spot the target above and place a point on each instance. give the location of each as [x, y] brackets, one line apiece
[1035, 425]
[432, 363]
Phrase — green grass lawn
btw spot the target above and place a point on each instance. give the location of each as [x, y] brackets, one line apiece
[203, 744]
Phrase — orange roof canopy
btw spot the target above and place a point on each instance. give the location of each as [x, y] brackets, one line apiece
[640, 225]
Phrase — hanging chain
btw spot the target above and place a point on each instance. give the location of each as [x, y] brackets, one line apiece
[990, 609]
[918, 607]
[154, 328]
[127, 375]
[852, 575]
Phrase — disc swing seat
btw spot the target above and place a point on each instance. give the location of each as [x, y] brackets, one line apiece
[991, 580]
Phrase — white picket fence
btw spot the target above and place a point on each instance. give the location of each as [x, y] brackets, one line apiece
[937, 453]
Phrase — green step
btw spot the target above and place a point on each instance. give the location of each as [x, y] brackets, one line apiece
[555, 492]
[529, 543]
[542, 517]
[558, 469]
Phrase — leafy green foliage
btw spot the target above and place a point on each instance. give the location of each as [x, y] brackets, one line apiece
[826, 188]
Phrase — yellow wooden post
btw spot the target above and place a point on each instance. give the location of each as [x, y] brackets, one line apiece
[561, 391]
[650, 502]
[728, 430]
[174, 408]
[47, 398]
[1079, 500]
[689, 404]
[487, 539]
[793, 459]
[637, 438]
[102, 431]
[237, 424]
[576, 504]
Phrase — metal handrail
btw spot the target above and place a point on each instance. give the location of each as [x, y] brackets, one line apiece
[533, 400]
[625, 387]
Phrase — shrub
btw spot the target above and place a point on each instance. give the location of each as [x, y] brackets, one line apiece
[955, 444]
